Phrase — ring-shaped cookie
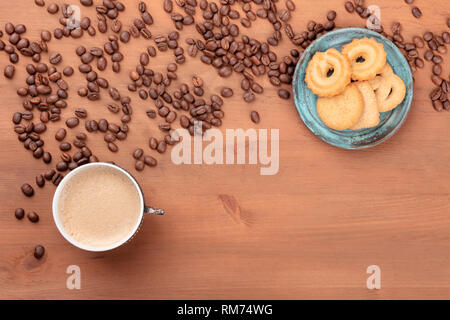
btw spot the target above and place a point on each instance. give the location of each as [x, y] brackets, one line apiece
[384, 76]
[390, 93]
[328, 73]
[367, 58]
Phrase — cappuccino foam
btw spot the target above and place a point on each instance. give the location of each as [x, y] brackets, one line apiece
[99, 206]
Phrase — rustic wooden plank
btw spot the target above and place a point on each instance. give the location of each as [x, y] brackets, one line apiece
[308, 232]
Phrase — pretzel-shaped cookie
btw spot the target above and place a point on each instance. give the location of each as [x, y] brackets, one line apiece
[367, 58]
[328, 73]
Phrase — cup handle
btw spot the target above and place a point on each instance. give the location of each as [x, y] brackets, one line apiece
[150, 210]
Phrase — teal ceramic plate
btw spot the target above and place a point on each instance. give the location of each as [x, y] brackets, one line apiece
[305, 100]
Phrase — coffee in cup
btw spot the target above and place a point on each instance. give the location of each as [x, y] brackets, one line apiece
[99, 206]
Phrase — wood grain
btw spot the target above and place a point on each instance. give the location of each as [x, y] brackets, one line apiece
[229, 233]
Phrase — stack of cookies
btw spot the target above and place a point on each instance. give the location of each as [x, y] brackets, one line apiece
[354, 86]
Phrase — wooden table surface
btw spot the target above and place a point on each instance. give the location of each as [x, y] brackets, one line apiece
[308, 232]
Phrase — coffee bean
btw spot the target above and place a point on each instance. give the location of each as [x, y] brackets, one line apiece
[52, 8]
[57, 178]
[428, 55]
[445, 86]
[418, 42]
[284, 94]
[81, 113]
[138, 153]
[416, 12]
[290, 5]
[33, 216]
[419, 63]
[65, 157]
[46, 35]
[9, 71]
[125, 36]
[139, 165]
[113, 147]
[161, 148]
[171, 117]
[442, 49]
[27, 190]
[245, 84]
[150, 161]
[436, 80]
[249, 97]
[103, 125]
[65, 146]
[113, 128]
[151, 114]
[68, 71]
[254, 116]
[19, 213]
[55, 58]
[437, 69]
[153, 143]
[168, 6]
[61, 166]
[72, 122]
[22, 91]
[257, 88]
[225, 71]
[349, 7]
[125, 118]
[197, 81]
[109, 137]
[436, 60]
[331, 15]
[435, 94]
[17, 117]
[60, 134]
[432, 44]
[427, 36]
[39, 252]
[40, 181]
[285, 15]
[48, 175]
[86, 3]
[438, 105]
[47, 157]
[226, 92]
[39, 128]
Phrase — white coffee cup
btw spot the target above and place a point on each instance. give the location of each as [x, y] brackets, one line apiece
[143, 208]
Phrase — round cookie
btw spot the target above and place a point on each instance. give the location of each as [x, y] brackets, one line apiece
[343, 111]
[367, 58]
[370, 116]
[328, 73]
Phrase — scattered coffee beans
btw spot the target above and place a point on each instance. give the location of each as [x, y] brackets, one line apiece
[9, 71]
[39, 252]
[27, 190]
[19, 213]
[254, 116]
[33, 216]
[226, 92]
